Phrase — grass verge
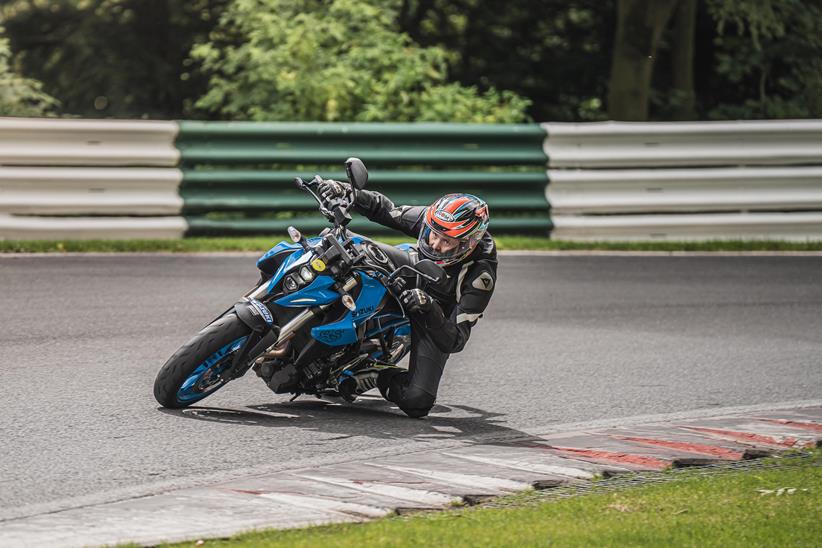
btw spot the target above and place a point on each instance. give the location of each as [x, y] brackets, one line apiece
[737, 508]
[195, 245]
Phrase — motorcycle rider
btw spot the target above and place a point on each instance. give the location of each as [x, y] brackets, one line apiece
[451, 232]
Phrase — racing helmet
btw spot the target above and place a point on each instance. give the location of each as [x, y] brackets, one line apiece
[454, 224]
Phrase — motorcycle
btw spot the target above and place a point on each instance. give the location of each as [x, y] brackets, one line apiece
[322, 306]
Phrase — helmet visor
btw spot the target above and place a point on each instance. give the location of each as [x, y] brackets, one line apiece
[441, 248]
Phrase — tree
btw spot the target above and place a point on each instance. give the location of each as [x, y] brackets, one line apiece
[555, 52]
[414, 59]
[20, 96]
[683, 95]
[769, 58]
[756, 59]
[123, 58]
[640, 25]
[334, 60]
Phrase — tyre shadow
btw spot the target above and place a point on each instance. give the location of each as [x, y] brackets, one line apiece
[369, 417]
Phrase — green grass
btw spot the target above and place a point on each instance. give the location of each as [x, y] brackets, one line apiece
[193, 245]
[692, 510]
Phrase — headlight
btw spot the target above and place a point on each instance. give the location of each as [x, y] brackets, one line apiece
[289, 283]
[306, 274]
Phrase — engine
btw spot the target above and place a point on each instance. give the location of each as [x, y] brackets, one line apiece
[282, 375]
[279, 375]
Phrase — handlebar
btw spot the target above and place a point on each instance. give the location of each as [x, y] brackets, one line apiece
[338, 214]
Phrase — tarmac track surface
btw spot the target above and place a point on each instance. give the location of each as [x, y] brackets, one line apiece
[566, 339]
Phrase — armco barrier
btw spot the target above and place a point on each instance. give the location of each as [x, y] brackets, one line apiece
[798, 226]
[83, 179]
[685, 190]
[67, 142]
[238, 177]
[319, 143]
[683, 144]
[651, 181]
[90, 228]
[608, 181]
[90, 191]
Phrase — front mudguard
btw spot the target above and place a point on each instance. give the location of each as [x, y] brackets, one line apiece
[255, 315]
[259, 319]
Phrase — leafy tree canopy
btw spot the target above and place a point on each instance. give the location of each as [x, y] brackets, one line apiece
[20, 96]
[401, 59]
[122, 58]
[555, 52]
[337, 60]
[770, 52]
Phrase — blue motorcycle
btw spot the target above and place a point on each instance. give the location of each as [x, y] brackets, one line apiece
[322, 306]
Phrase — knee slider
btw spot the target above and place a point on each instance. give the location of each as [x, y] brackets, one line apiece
[416, 403]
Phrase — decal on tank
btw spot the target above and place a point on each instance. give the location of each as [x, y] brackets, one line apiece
[337, 333]
[369, 299]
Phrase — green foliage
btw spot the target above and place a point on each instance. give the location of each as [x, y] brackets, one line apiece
[373, 60]
[122, 58]
[757, 16]
[555, 52]
[20, 96]
[338, 60]
[773, 61]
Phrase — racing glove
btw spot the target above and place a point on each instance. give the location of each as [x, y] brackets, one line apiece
[330, 190]
[424, 309]
[417, 301]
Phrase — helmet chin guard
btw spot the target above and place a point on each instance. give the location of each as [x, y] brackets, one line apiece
[455, 224]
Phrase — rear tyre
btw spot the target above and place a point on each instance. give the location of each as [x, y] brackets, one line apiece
[193, 372]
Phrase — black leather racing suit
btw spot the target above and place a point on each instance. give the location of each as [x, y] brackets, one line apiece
[458, 304]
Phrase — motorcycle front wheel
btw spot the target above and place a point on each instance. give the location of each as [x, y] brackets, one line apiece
[194, 371]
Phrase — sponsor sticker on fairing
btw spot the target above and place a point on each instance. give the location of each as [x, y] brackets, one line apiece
[262, 310]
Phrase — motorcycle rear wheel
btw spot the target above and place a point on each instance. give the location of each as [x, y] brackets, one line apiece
[193, 372]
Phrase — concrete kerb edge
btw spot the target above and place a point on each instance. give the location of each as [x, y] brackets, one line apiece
[77, 527]
[526, 433]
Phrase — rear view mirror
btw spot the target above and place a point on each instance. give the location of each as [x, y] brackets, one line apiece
[357, 174]
[431, 269]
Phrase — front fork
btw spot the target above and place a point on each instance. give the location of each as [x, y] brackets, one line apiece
[264, 334]
[258, 317]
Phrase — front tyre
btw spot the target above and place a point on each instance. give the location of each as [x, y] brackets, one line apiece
[194, 371]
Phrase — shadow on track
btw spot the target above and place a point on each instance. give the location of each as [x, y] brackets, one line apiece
[370, 417]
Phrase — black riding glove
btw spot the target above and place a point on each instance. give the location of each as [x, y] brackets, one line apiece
[417, 301]
[330, 190]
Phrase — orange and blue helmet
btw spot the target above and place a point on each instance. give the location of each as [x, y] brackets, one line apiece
[452, 228]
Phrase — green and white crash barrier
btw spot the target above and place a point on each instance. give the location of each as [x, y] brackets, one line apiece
[140, 179]
[686, 180]
[238, 178]
[75, 179]
[89, 179]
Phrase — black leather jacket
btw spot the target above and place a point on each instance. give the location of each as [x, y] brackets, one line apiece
[471, 282]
